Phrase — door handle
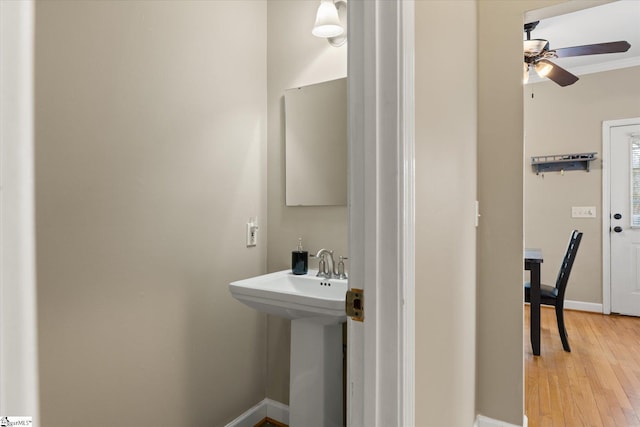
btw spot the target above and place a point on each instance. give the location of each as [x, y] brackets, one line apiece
[617, 229]
[617, 216]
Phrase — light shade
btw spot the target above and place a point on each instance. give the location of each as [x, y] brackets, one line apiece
[543, 68]
[525, 73]
[327, 21]
[534, 47]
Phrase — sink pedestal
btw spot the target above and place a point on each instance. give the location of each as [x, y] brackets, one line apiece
[315, 388]
[315, 306]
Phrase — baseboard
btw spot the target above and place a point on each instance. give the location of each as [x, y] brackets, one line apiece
[267, 408]
[580, 306]
[482, 421]
[277, 411]
[583, 306]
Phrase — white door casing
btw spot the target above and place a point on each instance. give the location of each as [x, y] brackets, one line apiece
[606, 203]
[380, 364]
[623, 227]
[18, 348]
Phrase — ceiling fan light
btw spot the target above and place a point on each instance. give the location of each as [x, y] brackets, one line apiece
[543, 69]
[534, 47]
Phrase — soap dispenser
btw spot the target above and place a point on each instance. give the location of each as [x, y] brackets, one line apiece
[299, 259]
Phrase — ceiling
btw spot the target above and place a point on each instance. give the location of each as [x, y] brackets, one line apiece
[619, 20]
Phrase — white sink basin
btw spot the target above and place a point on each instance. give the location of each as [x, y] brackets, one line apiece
[291, 296]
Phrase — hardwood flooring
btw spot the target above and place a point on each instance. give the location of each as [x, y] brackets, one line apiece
[269, 422]
[597, 384]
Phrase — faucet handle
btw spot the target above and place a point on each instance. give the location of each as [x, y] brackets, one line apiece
[341, 273]
[322, 269]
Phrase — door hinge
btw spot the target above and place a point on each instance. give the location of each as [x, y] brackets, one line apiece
[355, 304]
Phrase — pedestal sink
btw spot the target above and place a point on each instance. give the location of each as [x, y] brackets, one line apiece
[316, 307]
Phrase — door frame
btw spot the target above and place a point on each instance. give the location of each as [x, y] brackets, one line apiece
[18, 323]
[606, 207]
[380, 373]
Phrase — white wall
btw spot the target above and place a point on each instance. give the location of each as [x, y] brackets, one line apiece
[569, 120]
[150, 158]
[445, 164]
[296, 58]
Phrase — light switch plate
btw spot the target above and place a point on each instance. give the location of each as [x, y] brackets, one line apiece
[252, 232]
[583, 212]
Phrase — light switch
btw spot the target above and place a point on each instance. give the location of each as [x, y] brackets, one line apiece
[252, 232]
[583, 212]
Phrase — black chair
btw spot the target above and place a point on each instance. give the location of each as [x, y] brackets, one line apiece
[554, 296]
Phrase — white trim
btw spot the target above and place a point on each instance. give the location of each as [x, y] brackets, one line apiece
[359, 34]
[583, 306]
[482, 421]
[18, 323]
[407, 167]
[605, 211]
[277, 411]
[606, 207]
[381, 212]
[267, 408]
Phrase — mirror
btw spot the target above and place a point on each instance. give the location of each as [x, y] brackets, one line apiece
[316, 144]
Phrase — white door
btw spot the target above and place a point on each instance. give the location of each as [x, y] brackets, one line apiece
[625, 219]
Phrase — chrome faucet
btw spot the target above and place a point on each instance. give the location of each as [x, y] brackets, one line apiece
[327, 270]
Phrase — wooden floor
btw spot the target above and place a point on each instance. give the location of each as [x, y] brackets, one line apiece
[269, 422]
[597, 384]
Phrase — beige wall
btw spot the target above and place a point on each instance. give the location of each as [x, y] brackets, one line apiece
[296, 58]
[147, 170]
[500, 183]
[446, 136]
[150, 157]
[569, 120]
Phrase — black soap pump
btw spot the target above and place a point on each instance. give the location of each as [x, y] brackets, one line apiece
[299, 259]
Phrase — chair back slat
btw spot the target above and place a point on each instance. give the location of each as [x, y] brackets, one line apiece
[567, 263]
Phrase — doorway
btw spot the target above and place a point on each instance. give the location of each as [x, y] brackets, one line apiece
[573, 118]
[621, 231]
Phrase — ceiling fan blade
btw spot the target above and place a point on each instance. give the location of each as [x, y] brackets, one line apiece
[559, 74]
[593, 49]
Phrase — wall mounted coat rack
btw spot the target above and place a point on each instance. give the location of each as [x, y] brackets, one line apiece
[562, 162]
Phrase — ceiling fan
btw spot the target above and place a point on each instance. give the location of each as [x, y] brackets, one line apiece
[537, 54]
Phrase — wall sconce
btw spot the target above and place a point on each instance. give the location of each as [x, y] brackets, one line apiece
[331, 22]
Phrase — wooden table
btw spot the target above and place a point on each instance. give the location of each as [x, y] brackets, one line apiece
[532, 261]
